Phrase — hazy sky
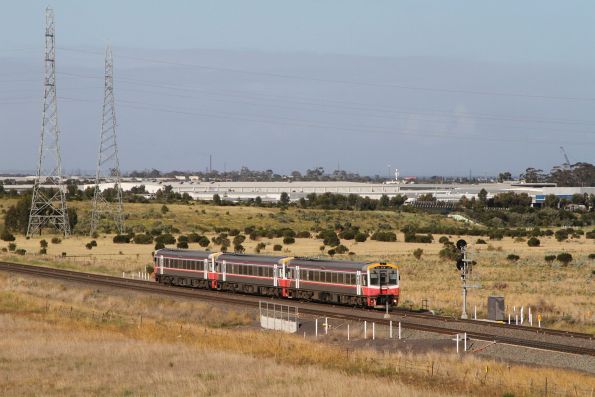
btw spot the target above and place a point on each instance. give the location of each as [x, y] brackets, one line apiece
[433, 87]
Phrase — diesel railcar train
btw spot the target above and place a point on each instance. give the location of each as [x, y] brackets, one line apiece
[373, 284]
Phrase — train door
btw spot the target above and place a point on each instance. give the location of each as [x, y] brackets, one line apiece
[297, 276]
[275, 276]
[161, 260]
[205, 266]
[223, 271]
[358, 282]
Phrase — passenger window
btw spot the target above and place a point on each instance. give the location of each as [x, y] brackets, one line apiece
[334, 278]
[373, 278]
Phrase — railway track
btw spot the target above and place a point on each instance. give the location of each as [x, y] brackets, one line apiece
[538, 338]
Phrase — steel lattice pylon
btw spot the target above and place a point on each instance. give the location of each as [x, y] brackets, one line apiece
[48, 204]
[108, 165]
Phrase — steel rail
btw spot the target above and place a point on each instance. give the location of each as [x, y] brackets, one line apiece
[407, 319]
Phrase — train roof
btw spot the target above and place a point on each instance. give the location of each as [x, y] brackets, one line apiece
[248, 258]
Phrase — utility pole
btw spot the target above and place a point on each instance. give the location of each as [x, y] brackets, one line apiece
[108, 163]
[465, 266]
[48, 203]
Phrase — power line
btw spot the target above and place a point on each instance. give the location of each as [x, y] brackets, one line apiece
[346, 82]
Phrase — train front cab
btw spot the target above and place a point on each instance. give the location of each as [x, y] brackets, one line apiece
[382, 285]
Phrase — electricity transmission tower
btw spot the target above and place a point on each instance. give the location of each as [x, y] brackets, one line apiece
[108, 203]
[48, 204]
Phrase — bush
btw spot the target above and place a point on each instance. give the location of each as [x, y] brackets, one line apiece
[119, 239]
[303, 234]
[43, 251]
[341, 249]
[89, 246]
[419, 238]
[591, 256]
[165, 239]
[7, 236]
[193, 238]
[513, 257]
[384, 236]
[480, 241]
[12, 247]
[149, 269]
[347, 234]
[331, 252]
[288, 240]
[277, 247]
[234, 232]
[590, 235]
[238, 248]
[418, 252]
[565, 258]
[443, 240]
[561, 234]
[159, 245]
[238, 239]
[329, 237]
[260, 247]
[182, 244]
[550, 258]
[204, 241]
[56, 240]
[143, 239]
[533, 242]
[20, 251]
[43, 244]
[183, 239]
[449, 252]
[361, 237]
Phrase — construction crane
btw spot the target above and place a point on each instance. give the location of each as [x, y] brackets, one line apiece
[566, 165]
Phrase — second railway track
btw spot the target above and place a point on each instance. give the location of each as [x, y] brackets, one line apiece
[539, 338]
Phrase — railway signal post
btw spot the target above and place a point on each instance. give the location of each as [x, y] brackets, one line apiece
[465, 266]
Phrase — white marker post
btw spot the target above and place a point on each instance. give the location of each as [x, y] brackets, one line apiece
[530, 317]
[365, 330]
[516, 319]
[373, 331]
[399, 330]
[475, 312]
[348, 331]
[508, 318]
[457, 343]
[465, 342]
[316, 328]
[390, 329]
[326, 325]
[522, 316]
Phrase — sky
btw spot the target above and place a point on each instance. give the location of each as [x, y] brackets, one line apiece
[430, 87]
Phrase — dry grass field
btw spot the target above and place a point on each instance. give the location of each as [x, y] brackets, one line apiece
[563, 295]
[67, 340]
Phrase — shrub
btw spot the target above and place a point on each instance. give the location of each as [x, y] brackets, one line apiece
[238, 239]
[119, 239]
[193, 238]
[21, 251]
[361, 237]
[182, 244]
[12, 246]
[234, 232]
[565, 258]
[143, 239]
[7, 236]
[561, 234]
[480, 241]
[204, 241]
[303, 234]
[56, 240]
[239, 248]
[449, 252]
[341, 249]
[513, 257]
[418, 252]
[288, 240]
[550, 258]
[331, 252]
[591, 256]
[164, 209]
[89, 246]
[166, 239]
[260, 247]
[43, 251]
[590, 235]
[347, 234]
[43, 244]
[329, 237]
[183, 238]
[149, 269]
[419, 238]
[277, 247]
[384, 236]
[533, 242]
[159, 245]
[443, 240]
